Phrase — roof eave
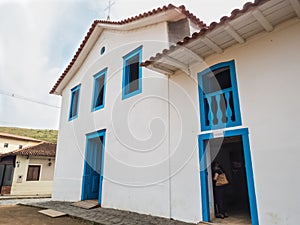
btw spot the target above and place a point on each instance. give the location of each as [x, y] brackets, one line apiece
[227, 26]
[13, 136]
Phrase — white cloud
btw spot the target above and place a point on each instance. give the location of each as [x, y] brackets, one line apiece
[37, 40]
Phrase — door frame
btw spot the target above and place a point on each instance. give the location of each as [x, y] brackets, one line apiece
[248, 166]
[99, 133]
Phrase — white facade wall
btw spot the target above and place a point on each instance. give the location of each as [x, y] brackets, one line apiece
[184, 127]
[42, 187]
[267, 78]
[136, 144]
[13, 144]
[141, 177]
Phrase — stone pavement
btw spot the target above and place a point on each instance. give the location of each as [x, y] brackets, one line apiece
[5, 197]
[15, 201]
[105, 216]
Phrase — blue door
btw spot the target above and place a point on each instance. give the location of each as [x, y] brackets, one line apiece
[93, 167]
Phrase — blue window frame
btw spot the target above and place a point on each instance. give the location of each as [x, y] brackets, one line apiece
[99, 90]
[74, 103]
[132, 73]
[218, 96]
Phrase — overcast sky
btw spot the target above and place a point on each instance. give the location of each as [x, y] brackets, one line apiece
[38, 38]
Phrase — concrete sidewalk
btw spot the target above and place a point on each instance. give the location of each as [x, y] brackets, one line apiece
[9, 197]
[104, 216]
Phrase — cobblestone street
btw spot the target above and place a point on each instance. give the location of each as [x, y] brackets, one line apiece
[105, 216]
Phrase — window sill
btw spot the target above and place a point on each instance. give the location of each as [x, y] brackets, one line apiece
[125, 96]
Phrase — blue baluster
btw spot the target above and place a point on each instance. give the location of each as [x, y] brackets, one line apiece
[210, 112]
[219, 110]
[228, 109]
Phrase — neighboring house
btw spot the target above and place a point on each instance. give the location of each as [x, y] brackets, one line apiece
[26, 170]
[143, 140]
[10, 142]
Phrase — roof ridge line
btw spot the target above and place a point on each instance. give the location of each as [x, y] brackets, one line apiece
[182, 8]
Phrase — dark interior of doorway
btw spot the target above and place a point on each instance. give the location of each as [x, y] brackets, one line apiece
[7, 165]
[229, 153]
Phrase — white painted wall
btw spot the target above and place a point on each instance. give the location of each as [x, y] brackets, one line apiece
[42, 187]
[13, 144]
[268, 80]
[136, 151]
[136, 174]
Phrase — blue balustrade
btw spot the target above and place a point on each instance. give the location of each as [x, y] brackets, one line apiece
[220, 111]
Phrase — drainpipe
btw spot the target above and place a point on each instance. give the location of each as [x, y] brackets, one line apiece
[169, 150]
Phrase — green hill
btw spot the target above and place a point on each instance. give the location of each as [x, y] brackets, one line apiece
[45, 135]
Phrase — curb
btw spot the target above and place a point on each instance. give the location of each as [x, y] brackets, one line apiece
[3, 198]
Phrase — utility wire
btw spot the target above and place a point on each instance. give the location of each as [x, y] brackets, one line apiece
[12, 95]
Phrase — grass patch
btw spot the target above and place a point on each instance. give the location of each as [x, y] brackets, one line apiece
[45, 135]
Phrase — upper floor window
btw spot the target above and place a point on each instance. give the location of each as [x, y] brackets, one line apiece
[132, 73]
[99, 90]
[74, 102]
[102, 50]
[219, 103]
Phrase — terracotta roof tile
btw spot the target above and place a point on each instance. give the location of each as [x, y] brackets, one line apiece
[40, 149]
[225, 19]
[125, 21]
[13, 136]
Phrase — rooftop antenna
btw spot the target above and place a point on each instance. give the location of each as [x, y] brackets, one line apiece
[108, 8]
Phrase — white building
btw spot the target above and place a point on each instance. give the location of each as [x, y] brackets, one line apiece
[142, 140]
[26, 165]
[11, 142]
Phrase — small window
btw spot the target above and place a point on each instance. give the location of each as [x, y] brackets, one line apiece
[20, 146]
[74, 102]
[5, 145]
[33, 173]
[132, 73]
[99, 90]
[102, 50]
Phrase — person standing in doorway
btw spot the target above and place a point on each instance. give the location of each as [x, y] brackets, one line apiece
[220, 183]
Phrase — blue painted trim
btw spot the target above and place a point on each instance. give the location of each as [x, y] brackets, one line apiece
[99, 133]
[102, 50]
[102, 170]
[232, 69]
[250, 181]
[249, 173]
[203, 176]
[73, 90]
[96, 90]
[125, 78]
[83, 190]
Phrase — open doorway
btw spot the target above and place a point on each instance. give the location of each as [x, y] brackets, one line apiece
[229, 153]
[232, 149]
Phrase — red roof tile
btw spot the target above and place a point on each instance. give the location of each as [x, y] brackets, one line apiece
[129, 20]
[225, 19]
[13, 136]
[40, 149]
